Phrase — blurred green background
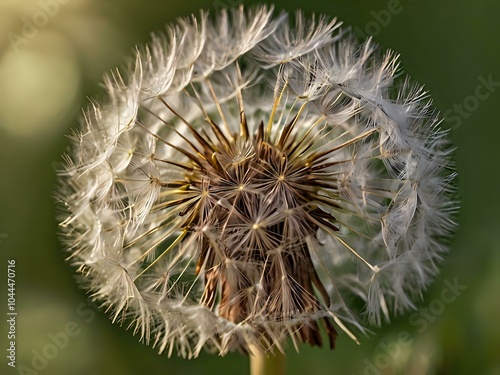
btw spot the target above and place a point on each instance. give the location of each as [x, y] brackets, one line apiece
[46, 73]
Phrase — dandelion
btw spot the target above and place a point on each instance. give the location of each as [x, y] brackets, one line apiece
[254, 179]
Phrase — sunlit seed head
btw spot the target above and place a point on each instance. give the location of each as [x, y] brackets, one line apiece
[256, 180]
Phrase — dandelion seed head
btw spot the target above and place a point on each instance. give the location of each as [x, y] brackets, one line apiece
[254, 178]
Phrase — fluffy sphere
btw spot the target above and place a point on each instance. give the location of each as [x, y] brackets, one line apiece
[254, 178]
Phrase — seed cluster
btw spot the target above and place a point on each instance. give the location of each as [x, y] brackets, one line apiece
[251, 205]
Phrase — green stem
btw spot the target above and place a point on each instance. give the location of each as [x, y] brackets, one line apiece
[262, 363]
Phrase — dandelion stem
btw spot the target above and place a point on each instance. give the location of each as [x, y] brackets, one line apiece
[262, 363]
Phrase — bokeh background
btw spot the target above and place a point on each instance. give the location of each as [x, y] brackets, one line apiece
[48, 71]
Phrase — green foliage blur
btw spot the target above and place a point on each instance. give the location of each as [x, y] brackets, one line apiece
[48, 71]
